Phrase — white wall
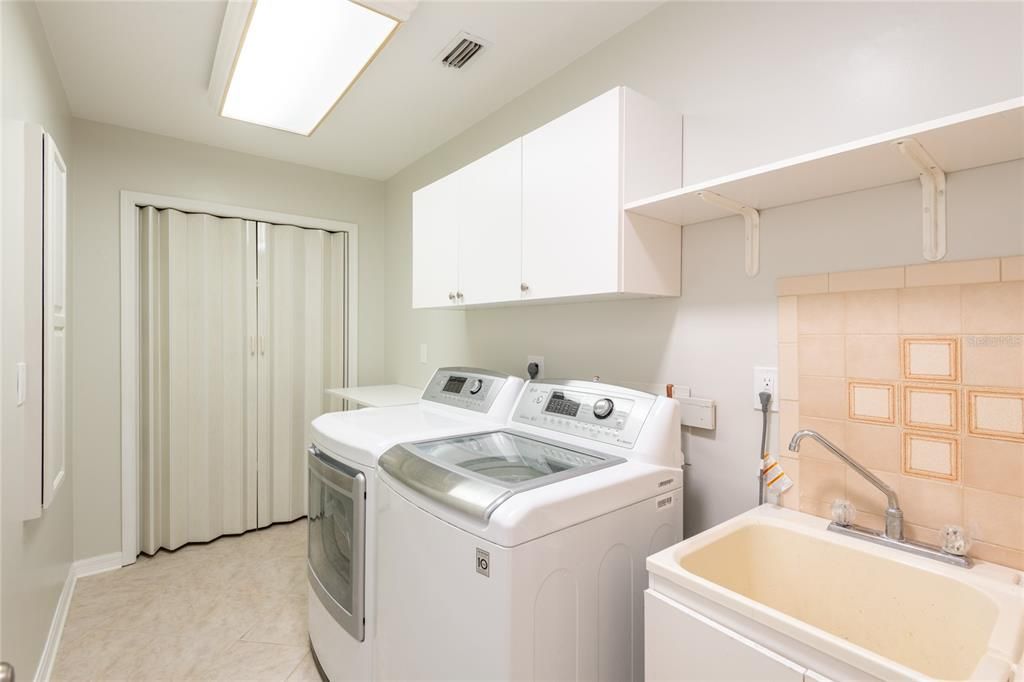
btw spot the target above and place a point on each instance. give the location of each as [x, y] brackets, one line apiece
[35, 554]
[109, 159]
[756, 82]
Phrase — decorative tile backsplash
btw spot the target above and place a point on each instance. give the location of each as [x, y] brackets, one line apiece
[921, 380]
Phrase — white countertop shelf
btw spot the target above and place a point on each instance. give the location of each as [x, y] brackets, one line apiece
[979, 137]
[384, 395]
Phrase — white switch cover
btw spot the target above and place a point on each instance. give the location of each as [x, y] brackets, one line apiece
[21, 381]
[766, 379]
[697, 412]
[539, 359]
[423, 353]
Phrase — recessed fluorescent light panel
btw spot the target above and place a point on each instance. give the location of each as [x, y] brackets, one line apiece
[298, 58]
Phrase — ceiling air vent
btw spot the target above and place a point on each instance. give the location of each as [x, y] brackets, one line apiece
[461, 50]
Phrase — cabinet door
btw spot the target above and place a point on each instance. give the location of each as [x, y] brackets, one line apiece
[490, 226]
[572, 202]
[435, 243]
[680, 645]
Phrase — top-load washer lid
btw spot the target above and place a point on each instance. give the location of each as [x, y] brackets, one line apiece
[475, 473]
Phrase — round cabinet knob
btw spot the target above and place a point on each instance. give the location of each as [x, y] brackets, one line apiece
[475, 386]
[458, 294]
[603, 408]
[451, 295]
[523, 286]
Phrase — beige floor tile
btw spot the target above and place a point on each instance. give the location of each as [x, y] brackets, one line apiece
[182, 614]
[251, 661]
[282, 620]
[306, 672]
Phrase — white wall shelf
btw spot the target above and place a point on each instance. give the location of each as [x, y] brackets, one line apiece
[979, 137]
[385, 395]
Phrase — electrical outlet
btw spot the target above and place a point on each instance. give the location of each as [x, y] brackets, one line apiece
[766, 379]
[539, 359]
[423, 353]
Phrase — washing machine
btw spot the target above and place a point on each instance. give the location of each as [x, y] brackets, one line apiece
[342, 494]
[518, 553]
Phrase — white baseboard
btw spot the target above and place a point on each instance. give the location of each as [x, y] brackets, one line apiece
[96, 564]
[79, 569]
[60, 614]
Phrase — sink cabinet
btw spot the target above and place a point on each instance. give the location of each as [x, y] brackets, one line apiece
[735, 602]
[541, 218]
[682, 645]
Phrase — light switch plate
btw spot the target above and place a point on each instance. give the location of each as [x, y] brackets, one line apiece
[423, 353]
[21, 382]
[697, 412]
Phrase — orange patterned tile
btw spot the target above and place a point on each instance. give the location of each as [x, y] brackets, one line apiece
[996, 413]
[930, 358]
[872, 402]
[931, 455]
[931, 407]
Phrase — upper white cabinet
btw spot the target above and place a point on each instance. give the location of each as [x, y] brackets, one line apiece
[542, 217]
[490, 220]
[466, 236]
[435, 243]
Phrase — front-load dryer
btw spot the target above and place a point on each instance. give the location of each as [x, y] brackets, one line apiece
[342, 495]
[518, 553]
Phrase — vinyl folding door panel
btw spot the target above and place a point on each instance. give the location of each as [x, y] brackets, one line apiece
[197, 358]
[301, 313]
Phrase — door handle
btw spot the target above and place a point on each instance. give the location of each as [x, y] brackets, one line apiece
[263, 345]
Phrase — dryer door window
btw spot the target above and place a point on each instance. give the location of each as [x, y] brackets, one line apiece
[337, 542]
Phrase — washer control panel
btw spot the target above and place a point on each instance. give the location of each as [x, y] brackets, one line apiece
[468, 389]
[607, 414]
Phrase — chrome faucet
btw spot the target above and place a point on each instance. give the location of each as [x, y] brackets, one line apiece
[893, 513]
[892, 536]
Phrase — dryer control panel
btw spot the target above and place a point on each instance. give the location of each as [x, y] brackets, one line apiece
[608, 414]
[466, 388]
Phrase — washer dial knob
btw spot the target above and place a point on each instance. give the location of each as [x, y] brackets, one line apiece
[475, 386]
[603, 408]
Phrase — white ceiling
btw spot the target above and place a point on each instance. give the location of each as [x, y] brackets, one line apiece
[146, 65]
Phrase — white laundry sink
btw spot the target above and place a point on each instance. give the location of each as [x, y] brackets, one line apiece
[884, 612]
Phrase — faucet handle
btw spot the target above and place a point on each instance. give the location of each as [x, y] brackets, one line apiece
[843, 512]
[956, 540]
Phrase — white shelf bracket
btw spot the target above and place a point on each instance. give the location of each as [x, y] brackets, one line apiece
[933, 197]
[752, 223]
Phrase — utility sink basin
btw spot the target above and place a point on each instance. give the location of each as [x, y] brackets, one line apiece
[887, 613]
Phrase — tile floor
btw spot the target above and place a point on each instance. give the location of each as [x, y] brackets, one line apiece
[234, 609]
